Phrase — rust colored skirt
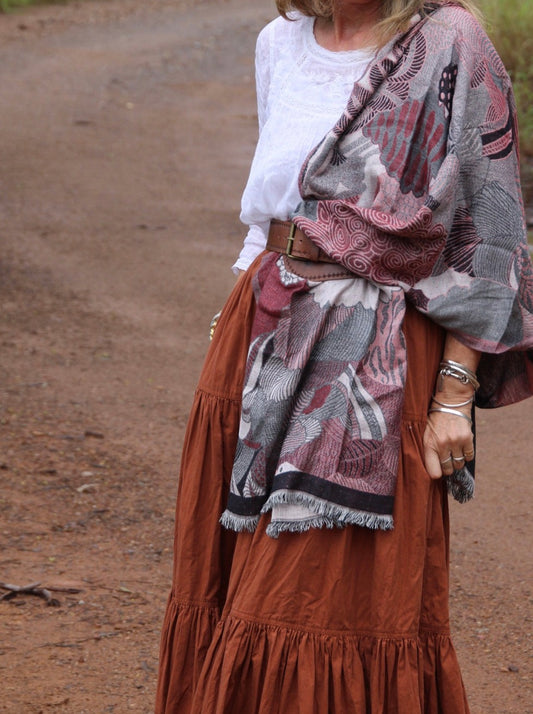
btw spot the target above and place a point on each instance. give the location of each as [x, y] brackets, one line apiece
[341, 621]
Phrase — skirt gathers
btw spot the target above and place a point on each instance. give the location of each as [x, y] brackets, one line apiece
[341, 621]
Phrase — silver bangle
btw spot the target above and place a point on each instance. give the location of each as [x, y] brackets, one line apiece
[453, 412]
[449, 368]
[459, 366]
[453, 406]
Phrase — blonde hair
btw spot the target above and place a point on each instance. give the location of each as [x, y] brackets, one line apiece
[396, 13]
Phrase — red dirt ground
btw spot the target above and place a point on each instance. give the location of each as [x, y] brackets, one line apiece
[127, 131]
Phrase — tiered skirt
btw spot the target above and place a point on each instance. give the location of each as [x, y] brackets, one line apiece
[341, 621]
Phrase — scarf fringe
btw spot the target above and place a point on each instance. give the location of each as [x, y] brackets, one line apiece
[326, 515]
[461, 485]
[234, 522]
[330, 515]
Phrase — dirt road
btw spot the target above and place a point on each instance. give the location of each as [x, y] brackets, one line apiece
[127, 128]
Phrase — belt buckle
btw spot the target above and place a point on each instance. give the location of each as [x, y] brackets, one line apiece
[290, 242]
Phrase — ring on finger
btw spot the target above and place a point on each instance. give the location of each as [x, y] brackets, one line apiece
[446, 461]
[469, 454]
[458, 458]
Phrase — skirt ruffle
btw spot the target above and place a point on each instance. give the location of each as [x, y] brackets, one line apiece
[241, 666]
[188, 631]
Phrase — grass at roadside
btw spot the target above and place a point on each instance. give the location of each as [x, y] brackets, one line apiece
[510, 25]
[8, 5]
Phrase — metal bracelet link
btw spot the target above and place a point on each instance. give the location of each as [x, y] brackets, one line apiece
[449, 368]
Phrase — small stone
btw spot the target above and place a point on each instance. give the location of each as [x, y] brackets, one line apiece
[87, 488]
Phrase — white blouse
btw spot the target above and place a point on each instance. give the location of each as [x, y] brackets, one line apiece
[302, 90]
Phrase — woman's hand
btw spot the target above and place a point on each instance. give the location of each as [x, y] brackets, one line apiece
[448, 442]
[214, 321]
[448, 438]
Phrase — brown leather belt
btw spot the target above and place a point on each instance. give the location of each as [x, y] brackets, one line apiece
[284, 237]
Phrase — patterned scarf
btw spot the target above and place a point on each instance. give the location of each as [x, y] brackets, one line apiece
[416, 191]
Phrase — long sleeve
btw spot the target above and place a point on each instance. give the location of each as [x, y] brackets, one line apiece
[256, 237]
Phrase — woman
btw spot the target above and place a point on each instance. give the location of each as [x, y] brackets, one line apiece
[395, 291]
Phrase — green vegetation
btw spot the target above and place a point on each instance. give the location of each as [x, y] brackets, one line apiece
[9, 5]
[6, 5]
[510, 25]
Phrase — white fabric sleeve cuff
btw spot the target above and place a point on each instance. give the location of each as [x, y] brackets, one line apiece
[254, 243]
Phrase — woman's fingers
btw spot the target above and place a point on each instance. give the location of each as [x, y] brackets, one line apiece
[448, 445]
[447, 464]
[469, 452]
[432, 461]
[458, 462]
